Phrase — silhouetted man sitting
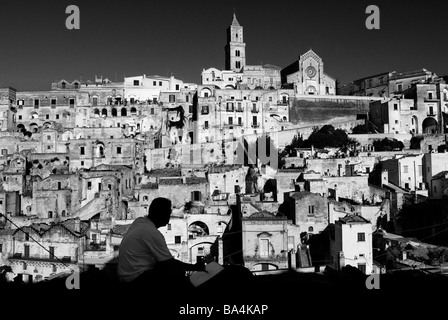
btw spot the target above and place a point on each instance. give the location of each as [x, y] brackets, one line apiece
[144, 258]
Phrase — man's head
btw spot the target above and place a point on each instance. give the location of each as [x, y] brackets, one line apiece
[159, 211]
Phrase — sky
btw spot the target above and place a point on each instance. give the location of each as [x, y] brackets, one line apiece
[135, 37]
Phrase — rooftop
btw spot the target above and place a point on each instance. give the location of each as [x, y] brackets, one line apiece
[348, 219]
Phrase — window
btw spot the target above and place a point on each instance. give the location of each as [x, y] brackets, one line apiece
[205, 124]
[54, 268]
[24, 266]
[72, 103]
[420, 171]
[89, 185]
[196, 196]
[177, 87]
[367, 169]
[50, 214]
[237, 64]
[154, 83]
[53, 103]
[310, 229]
[136, 83]
[264, 248]
[361, 236]
[395, 106]
[254, 121]
[57, 117]
[82, 151]
[405, 169]
[51, 249]
[310, 210]
[172, 98]
[430, 95]
[204, 109]
[36, 103]
[99, 186]
[27, 236]
[47, 116]
[160, 83]
[435, 189]
[362, 267]
[431, 110]
[240, 121]
[20, 117]
[118, 150]
[237, 53]
[1, 247]
[230, 120]
[177, 239]
[399, 87]
[168, 226]
[82, 163]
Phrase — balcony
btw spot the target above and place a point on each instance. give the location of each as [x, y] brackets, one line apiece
[254, 110]
[205, 127]
[230, 109]
[256, 125]
[239, 110]
[431, 99]
[96, 246]
[282, 102]
[431, 114]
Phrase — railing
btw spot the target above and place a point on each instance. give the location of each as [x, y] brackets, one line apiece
[239, 110]
[43, 258]
[255, 125]
[254, 110]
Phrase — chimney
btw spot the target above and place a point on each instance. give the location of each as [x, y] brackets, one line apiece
[292, 260]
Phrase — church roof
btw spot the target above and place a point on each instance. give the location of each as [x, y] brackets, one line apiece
[235, 22]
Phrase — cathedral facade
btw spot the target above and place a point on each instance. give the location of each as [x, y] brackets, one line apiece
[308, 76]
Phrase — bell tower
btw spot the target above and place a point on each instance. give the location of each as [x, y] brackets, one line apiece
[235, 48]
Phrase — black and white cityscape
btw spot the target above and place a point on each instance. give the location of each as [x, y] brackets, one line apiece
[302, 148]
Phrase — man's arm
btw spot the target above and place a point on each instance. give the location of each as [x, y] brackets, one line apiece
[176, 265]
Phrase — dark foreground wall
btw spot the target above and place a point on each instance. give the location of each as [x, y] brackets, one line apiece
[331, 295]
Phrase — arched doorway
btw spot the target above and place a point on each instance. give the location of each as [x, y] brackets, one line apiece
[429, 126]
[124, 112]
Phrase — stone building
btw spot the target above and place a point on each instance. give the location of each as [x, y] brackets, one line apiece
[308, 211]
[352, 243]
[238, 74]
[39, 251]
[7, 109]
[228, 114]
[308, 76]
[267, 240]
